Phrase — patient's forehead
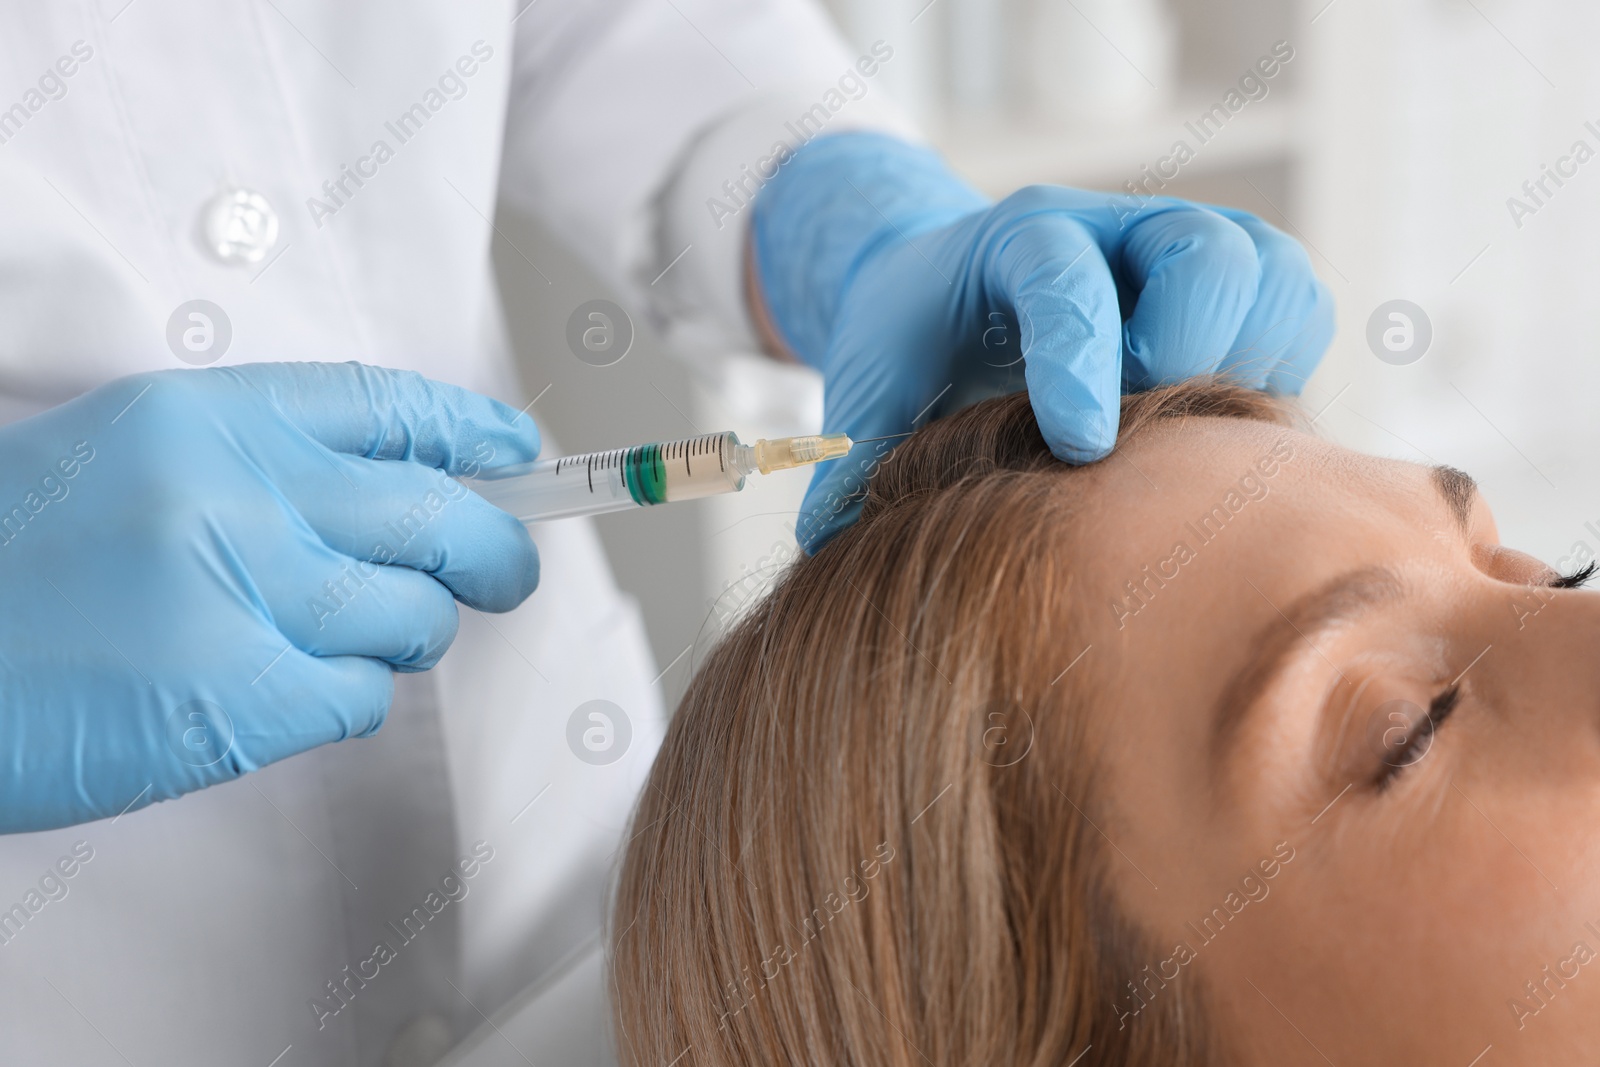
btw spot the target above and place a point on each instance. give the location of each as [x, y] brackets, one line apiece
[1174, 465]
[1188, 509]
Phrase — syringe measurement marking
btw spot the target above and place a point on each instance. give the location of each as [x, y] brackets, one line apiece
[694, 447]
[593, 460]
[618, 457]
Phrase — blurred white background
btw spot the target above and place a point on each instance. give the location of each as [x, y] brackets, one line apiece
[1390, 145]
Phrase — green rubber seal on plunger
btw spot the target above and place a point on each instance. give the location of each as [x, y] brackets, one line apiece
[645, 475]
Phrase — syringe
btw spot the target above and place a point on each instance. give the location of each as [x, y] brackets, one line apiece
[661, 473]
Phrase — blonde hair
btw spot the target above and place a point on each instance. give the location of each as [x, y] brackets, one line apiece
[838, 860]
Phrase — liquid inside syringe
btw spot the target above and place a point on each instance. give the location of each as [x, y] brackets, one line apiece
[662, 473]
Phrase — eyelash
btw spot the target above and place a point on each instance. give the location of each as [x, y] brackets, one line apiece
[1578, 579]
[1438, 712]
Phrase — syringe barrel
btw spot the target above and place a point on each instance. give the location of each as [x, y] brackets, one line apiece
[594, 483]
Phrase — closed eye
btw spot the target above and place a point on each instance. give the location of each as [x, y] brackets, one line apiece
[1419, 741]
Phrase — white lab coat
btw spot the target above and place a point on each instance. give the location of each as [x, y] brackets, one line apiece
[206, 930]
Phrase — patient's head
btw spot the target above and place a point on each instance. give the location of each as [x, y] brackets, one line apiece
[1237, 747]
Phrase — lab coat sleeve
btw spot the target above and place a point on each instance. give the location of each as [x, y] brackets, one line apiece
[637, 130]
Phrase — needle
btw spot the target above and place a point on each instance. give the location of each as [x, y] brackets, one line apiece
[886, 437]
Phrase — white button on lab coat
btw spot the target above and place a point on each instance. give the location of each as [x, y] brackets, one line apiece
[325, 174]
[240, 227]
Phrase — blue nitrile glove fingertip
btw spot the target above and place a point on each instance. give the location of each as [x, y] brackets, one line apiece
[487, 433]
[525, 433]
[371, 685]
[1292, 371]
[507, 597]
[1080, 429]
[1091, 451]
[1072, 437]
[384, 413]
[505, 577]
[1198, 276]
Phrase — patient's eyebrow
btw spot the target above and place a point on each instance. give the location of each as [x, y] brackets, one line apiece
[1293, 632]
[1459, 491]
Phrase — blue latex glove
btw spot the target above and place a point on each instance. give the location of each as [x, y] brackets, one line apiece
[915, 296]
[187, 585]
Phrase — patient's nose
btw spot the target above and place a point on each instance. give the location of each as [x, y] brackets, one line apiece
[1540, 658]
[1509, 565]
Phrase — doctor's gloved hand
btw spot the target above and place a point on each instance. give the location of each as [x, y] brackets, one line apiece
[205, 571]
[915, 296]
